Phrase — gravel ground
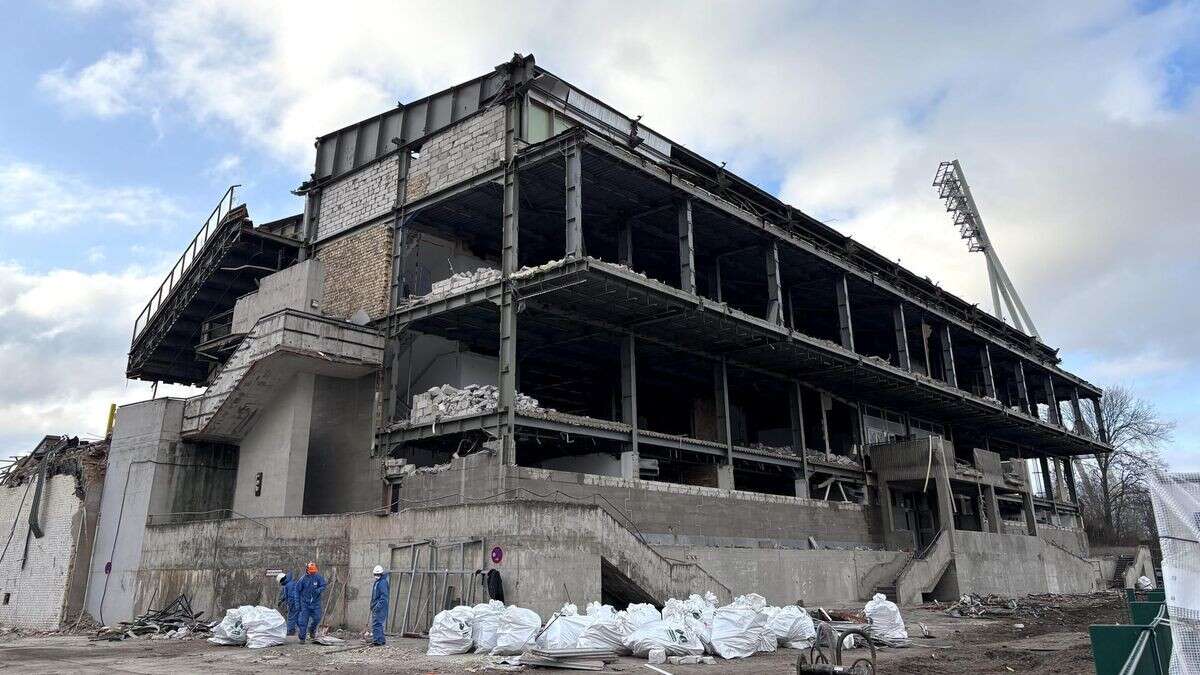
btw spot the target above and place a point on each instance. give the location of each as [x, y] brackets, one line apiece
[1055, 642]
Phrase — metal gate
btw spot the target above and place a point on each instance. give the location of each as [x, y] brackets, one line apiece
[430, 576]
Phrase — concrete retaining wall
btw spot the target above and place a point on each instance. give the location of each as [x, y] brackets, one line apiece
[666, 514]
[1015, 565]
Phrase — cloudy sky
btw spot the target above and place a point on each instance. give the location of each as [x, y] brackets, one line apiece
[1078, 125]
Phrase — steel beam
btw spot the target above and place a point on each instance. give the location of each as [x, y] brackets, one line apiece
[845, 323]
[902, 357]
[774, 284]
[1101, 427]
[687, 249]
[574, 205]
[949, 372]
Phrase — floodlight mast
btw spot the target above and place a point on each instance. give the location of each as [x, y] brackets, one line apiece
[952, 187]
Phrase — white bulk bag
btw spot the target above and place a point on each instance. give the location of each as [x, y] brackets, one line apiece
[450, 632]
[641, 613]
[485, 625]
[230, 630]
[517, 628]
[674, 637]
[599, 611]
[884, 618]
[738, 629]
[564, 628]
[791, 626]
[265, 627]
[607, 633]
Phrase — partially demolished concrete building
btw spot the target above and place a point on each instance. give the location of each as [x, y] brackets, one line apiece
[515, 329]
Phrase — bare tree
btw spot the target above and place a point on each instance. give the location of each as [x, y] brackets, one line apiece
[1114, 484]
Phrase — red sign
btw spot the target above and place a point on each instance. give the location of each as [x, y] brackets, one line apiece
[497, 555]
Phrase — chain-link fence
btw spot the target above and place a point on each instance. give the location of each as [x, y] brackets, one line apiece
[1176, 499]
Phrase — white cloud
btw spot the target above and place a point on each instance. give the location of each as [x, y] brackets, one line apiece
[106, 88]
[63, 338]
[35, 198]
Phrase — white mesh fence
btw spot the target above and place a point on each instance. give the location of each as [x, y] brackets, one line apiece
[1176, 499]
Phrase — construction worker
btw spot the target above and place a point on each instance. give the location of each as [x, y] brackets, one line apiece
[288, 588]
[379, 604]
[311, 587]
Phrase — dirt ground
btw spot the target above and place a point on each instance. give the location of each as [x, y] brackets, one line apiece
[1055, 641]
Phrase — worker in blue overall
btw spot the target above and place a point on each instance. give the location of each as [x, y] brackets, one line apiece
[289, 599]
[379, 604]
[312, 587]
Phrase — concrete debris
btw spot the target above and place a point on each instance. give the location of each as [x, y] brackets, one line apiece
[175, 621]
[779, 451]
[463, 280]
[448, 401]
[60, 455]
[1046, 606]
[833, 460]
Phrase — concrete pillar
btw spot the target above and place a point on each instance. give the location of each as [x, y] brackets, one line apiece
[845, 322]
[625, 244]
[902, 358]
[949, 372]
[801, 487]
[1101, 428]
[1081, 425]
[826, 403]
[717, 291]
[687, 250]
[629, 409]
[945, 497]
[725, 476]
[993, 508]
[885, 511]
[574, 205]
[1069, 479]
[989, 377]
[774, 284]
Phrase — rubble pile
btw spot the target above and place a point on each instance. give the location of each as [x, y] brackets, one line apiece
[1045, 607]
[176, 621]
[447, 401]
[60, 456]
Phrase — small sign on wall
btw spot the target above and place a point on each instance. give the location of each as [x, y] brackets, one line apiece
[497, 555]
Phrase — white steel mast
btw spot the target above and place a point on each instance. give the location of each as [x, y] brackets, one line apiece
[952, 187]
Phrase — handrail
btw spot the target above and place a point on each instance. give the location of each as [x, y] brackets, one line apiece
[1147, 635]
[222, 209]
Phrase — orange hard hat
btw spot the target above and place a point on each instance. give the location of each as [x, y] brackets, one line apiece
[311, 567]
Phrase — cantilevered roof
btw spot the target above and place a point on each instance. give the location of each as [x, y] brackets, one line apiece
[228, 265]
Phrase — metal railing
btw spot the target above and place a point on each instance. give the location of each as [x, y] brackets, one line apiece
[224, 206]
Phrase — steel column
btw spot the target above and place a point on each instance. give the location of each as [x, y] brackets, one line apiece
[1081, 425]
[774, 285]
[725, 430]
[799, 443]
[1101, 427]
[949, 372]
[574, 205]
[625, 244]
[1069, 479]
[845, 323]
[989, 377]
[509, 261]
[1052, 402]
[687, 250]
[1023, 390]
[902, 357]
[629, 404]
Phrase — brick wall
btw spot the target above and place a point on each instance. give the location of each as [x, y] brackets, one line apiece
[461, 152]
[357, 269]
[36, 591]
[358, 265]
[358, 198]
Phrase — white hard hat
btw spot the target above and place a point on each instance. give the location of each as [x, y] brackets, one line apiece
[378, 570]
[279, 577]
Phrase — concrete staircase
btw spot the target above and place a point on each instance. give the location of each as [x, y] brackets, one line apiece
[1124, 561]
[279, 346]
[922, 572]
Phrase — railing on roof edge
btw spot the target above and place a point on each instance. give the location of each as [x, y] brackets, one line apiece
[224, 206]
